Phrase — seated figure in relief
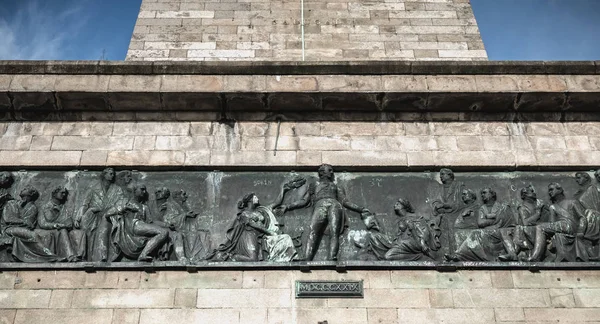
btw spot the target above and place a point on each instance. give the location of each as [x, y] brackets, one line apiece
[561, 229]
[255, 234]
[416, 239]
[57, 226]
[493, 239]
[18, 225]
[131, 234]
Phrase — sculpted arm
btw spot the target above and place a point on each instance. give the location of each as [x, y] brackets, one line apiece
[347, 203]
[484, 219]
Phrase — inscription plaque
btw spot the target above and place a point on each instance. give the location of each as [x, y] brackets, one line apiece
[329, 289]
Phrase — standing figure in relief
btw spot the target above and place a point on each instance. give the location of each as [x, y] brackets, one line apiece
[102, 201]
[196, 240]
[131, 235]
[448, 206]
[328, 201]
[169, 214]
[19, 220]
[256, 229]
[69, 244]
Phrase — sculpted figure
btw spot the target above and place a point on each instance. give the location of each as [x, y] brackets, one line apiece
[6, 181]
[19, 220]
[564, 219]
[493, 238]
[588, 231]
[125, 181]
[467, 218]
[103, 200]
[196, 240]
[530, 212]
[418, 238]
[376, 243]
[131, 235]
[448, 205]
[69, 244]
[170, 215]
[328, 202]
[255, 230]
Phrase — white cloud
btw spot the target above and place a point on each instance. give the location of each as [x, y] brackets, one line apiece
[39, 30]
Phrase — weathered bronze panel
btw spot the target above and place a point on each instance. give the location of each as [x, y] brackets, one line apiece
[297, 219]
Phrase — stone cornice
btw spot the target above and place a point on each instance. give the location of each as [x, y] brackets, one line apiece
[302, 68]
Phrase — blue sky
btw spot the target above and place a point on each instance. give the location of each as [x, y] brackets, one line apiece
[90, 29]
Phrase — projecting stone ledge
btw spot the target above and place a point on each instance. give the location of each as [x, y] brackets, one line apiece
[300, 91]
[301, 68]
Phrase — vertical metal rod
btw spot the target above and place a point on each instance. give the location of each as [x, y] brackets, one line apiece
[277, 136]
[302, 25]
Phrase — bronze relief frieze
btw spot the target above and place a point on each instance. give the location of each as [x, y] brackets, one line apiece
[195, 219]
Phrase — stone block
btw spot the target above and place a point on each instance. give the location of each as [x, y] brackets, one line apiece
[556, 279]
[451, 83]
[123, 298]
[349, 158]
[441, 280]
[470, 143]
[382, 316]
[192, 83]
[5, 80]
[208, 316]
[496, 83]
[77, 128]
[93, 158]
[98, 143]
[61, 298]
[578, 143]
[441, 298]
[562, 298]
[82, 83]
[200, 280]
[7, 279]
[32, 158]
[64, 316]
[154, 158]
[278, 279]
[509, 314]
[314, 143]
[33, 82]
[253, 279]
[7, 316]
[475, 158]
[386, 298]
[134, 83]
[332, 315]
[15, 143]
[582, 83]
[496, 143]
[482, 298]
[445, 315]
[197, 158]
[279, 316]
[291, 83]
[195, 143]
[404, 83]
[244, 298]
[185, 298]
[40, 143]
[126, 316]
[502, 279]
[245, 83]
[24, 298]
[561, 315]
[341, 83]
[253, 315]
